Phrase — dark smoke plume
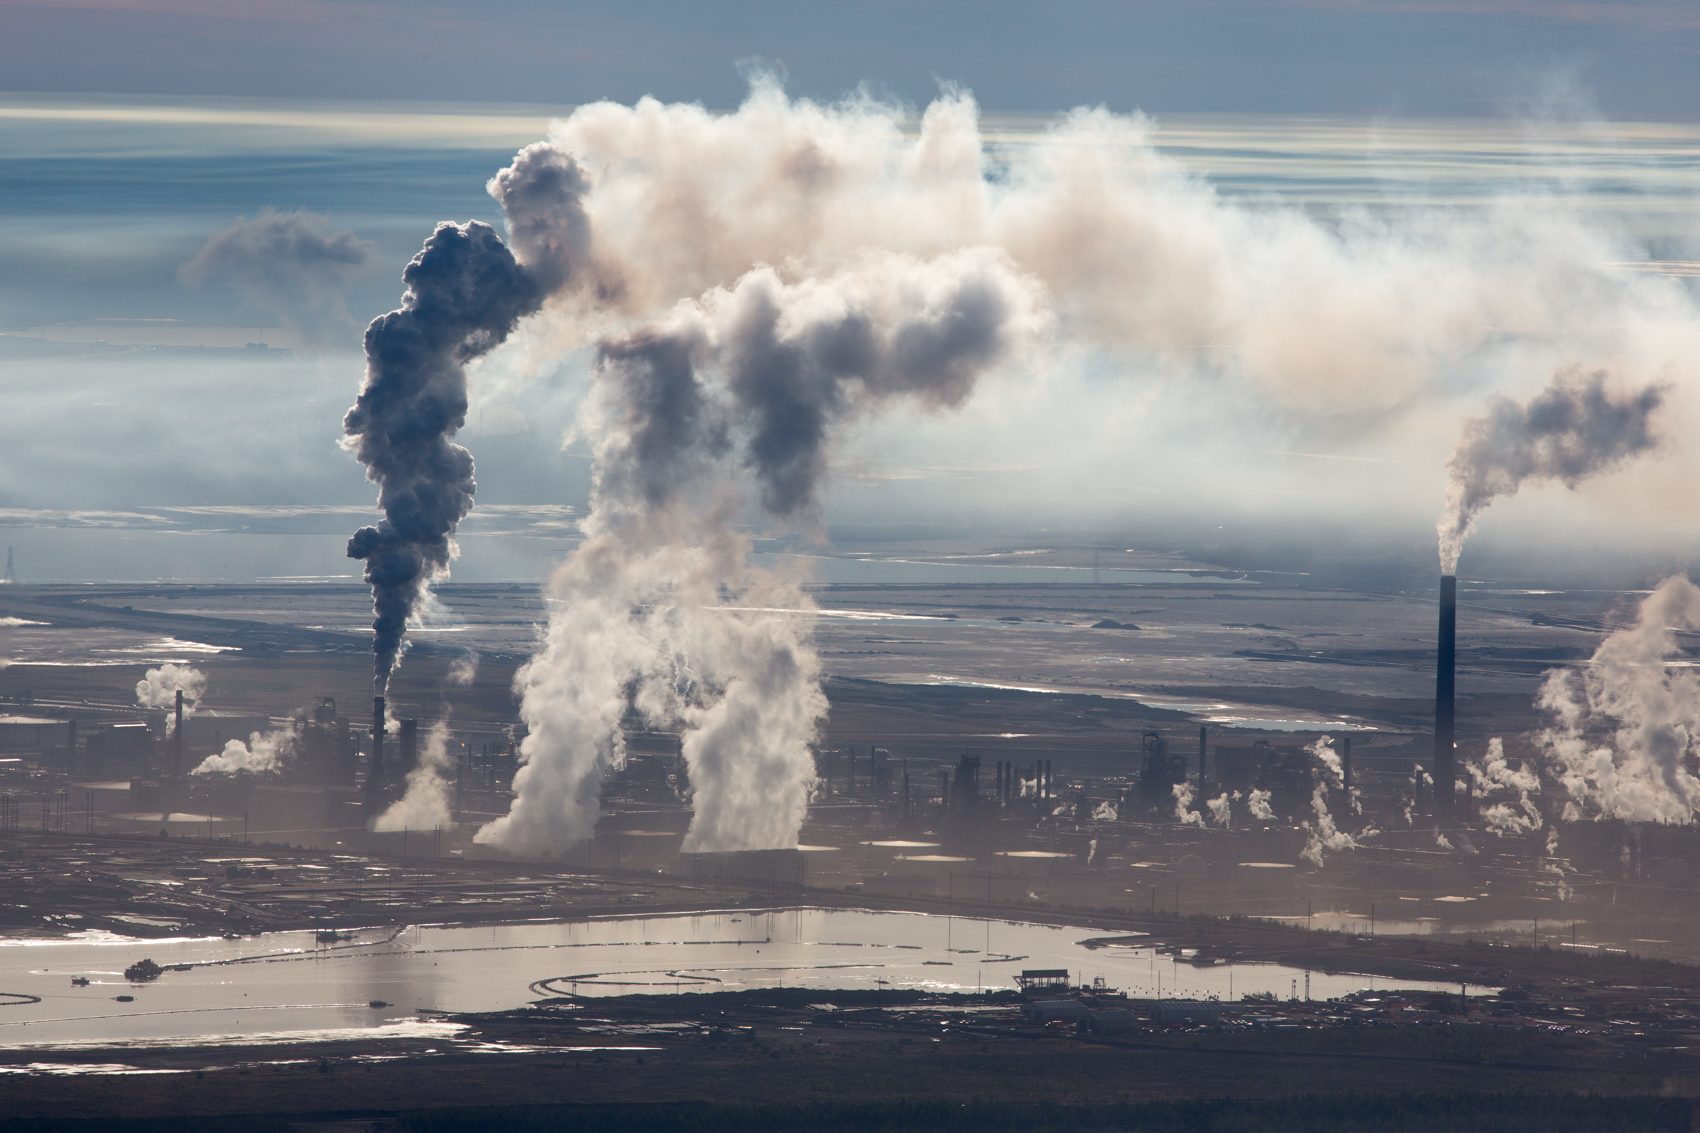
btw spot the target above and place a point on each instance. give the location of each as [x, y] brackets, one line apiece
[542, 196]
[1569, 431]
[465, 293]
[289, 265]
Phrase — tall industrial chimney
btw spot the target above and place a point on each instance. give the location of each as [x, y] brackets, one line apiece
[177, 737]
[1444, 675]
[375, 776]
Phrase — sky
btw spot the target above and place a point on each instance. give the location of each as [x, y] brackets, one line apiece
[1363, 57]
[145, 437]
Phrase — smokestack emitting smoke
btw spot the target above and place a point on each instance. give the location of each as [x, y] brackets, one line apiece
[172, 686]
[1568, 432]
[907, 265]
[1445, 674]
[177, 740]
[465, 293]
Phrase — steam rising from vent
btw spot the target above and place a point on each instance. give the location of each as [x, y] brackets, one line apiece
[465, 293]
[1573, 429]
[1258, 801]
[1221, 810]
[1324, 835]
[1504, 790]
[1183, 806]
[264, 752]
[1623, 728]
[427, 798]
[158, 688]
[739, 394]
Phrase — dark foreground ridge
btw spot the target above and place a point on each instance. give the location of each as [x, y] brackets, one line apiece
[1457, 1113]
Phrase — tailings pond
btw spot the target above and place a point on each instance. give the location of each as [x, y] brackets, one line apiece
[287, 986]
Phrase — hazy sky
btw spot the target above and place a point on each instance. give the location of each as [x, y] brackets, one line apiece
[1402, 57]
[134, 405]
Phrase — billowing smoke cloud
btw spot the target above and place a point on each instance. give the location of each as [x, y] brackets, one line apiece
[427, 801]
[1339, 315]
[1623, 728]
[723, 265]
[1503, 791]
[1574, 428]
[542, 196]
[289, 265]
[263, 753]
[1105, 812]
[1258, 801]
[735, 395]
[465, 293]
[159, 688]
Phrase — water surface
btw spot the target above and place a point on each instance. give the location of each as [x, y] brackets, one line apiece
[285, 986]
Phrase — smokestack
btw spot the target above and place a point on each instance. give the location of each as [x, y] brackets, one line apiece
[177, 737]
[1444, 676]
[1346, 761]
[375, 776]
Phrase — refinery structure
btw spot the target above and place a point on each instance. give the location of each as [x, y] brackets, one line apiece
[1159, 811]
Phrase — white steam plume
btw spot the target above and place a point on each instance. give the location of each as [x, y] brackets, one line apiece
[1324, 835]
[1504, 792]
[1623, 727]
[264, 752]
[425, 803]
[159, 688]
[1574, 428]
[426, 799]
[1340, 314]
[1183, 806]
[1555, 866]
[1258, 801]
[732, 400]
[668, 217]
[1221, 810]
